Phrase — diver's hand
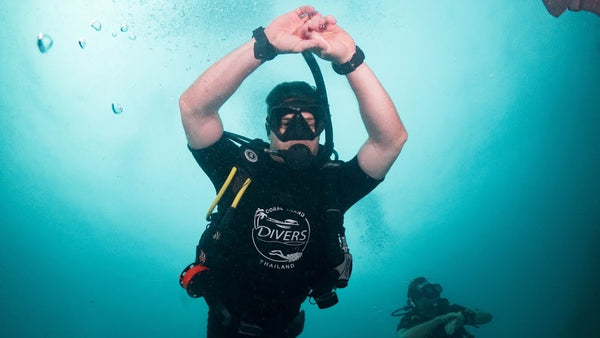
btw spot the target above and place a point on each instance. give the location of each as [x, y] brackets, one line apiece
[456, 321]
[337, 45]
[287, 32]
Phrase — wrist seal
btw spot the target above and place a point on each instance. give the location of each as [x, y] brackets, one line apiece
[263, 49]
[348, 67]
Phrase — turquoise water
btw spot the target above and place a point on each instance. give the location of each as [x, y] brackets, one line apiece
[495, 195]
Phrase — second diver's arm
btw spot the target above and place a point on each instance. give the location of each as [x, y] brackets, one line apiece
[425, 328]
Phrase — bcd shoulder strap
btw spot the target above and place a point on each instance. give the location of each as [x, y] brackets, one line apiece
[239, 177]
[236, 183]
[337, 251]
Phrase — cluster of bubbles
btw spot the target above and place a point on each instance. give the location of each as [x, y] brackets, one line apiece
[124, 28]
[45, 42]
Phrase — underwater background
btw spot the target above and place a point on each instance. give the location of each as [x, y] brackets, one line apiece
[496, 194]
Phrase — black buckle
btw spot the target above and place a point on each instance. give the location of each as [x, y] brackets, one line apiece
[250, 329]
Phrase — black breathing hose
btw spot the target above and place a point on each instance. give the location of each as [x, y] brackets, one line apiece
[320, 84]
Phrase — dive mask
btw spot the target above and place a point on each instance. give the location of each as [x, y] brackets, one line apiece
[287, 122]
[429, 290]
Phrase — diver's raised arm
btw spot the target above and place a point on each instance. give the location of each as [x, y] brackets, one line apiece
[386, 133]
[200, 103]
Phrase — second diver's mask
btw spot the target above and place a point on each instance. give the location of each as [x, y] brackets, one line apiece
[429, 290]
[426, 298]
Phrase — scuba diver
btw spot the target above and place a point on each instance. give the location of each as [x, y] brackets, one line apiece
[428, 315]
[557, 7]
[277, 236]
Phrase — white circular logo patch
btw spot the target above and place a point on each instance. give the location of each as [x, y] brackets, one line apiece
[280, 235]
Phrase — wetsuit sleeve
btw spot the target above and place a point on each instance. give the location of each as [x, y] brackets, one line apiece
[217, 160]
[354, 184]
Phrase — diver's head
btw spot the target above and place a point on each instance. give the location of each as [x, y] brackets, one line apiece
[424, 296]
[296, 116]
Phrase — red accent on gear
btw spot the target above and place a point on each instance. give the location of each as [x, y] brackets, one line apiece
[193, 271]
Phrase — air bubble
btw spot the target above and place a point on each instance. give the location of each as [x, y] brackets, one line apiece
[82, 43]
[44, 42]
[124, 27]
[96, 24]
[117, 108]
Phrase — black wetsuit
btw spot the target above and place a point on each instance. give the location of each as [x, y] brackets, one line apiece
[412, 319]
[271, 253]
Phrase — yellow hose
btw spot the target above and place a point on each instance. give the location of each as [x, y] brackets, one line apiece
[221, 192]
[240, 193]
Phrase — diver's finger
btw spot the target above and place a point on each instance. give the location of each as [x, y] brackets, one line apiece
[304, 31]
[330, 20]
[319, 23]
[305, 11]
[314, 23]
